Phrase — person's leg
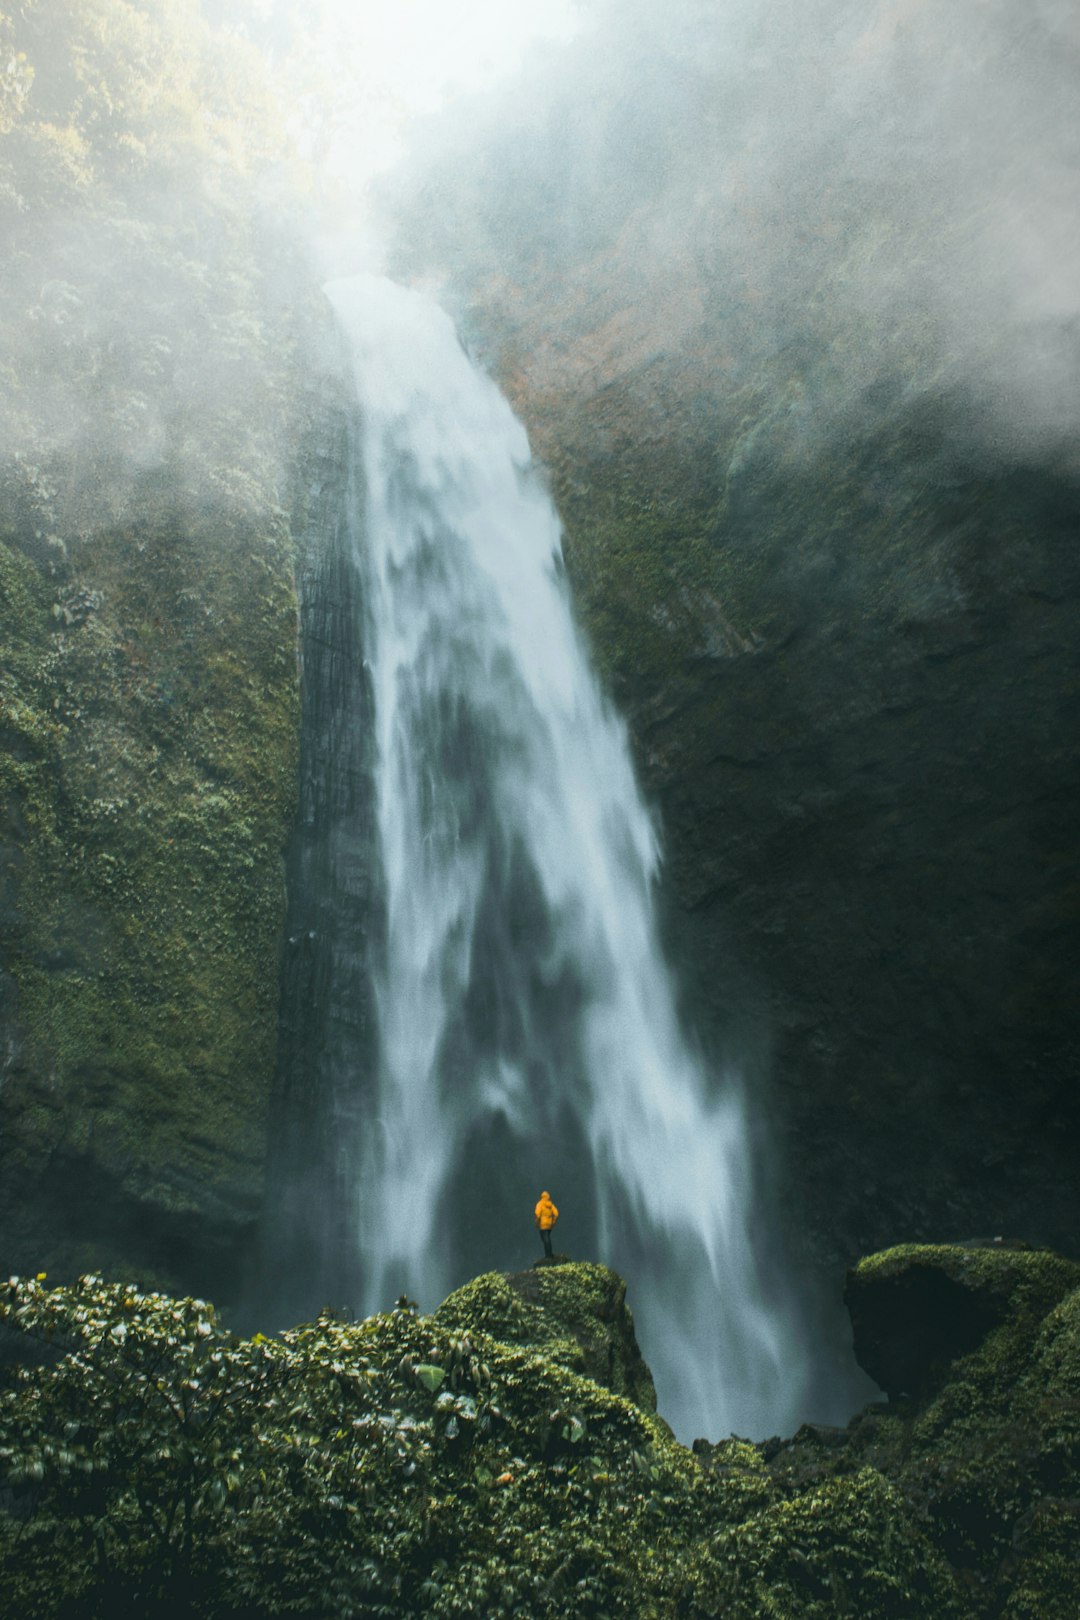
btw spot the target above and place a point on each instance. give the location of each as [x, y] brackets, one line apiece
[546, 1236]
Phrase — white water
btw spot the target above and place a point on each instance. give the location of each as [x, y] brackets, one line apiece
[528, 1029]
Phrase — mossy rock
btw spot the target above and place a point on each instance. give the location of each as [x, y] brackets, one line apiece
[849, 1547]
[995, 1456]
[576, 1313]
[987, 1452]
[148, 741]
[915, 1309]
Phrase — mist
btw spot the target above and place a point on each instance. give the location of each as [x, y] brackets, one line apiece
[154, 277]
[862, 196]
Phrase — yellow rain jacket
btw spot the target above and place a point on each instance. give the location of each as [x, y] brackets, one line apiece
[546, 1213]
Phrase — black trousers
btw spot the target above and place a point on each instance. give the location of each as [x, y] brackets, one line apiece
[545, 1238]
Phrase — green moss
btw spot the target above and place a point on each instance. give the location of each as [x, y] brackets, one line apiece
[491, 1304]
[1022, 1281]
[849, 1546]
[991, 1457]
[1001, 1442]
[1044, 1581]
[575, 1313]
[149, 783]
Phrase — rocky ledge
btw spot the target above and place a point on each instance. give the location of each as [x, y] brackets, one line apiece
[575, 1313]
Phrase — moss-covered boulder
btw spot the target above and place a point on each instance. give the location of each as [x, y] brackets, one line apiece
[985, 1455]
[915, 1309]
[575, 1313]
[995, 1455]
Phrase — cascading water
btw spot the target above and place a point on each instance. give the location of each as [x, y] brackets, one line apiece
[527, 1029]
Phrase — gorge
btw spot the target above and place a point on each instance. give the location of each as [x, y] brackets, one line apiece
[785, 306]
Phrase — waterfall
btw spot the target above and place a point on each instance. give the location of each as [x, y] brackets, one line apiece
[527, 1029]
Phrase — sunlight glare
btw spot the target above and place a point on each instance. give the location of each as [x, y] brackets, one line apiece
[399, 60]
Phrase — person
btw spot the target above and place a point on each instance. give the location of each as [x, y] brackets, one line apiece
[546, 1216]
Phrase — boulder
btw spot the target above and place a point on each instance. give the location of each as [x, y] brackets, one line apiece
[917, 1308]
[573, 1311]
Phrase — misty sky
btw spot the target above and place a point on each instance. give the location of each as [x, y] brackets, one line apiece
[892, 179]
[411, 58]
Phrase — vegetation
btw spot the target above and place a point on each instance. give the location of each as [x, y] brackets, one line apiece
[574, 1312]
[154, 1463]
[394, 1466]
[149, 319]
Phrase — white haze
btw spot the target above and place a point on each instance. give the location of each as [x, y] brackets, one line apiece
[896, 185]
[402, 60]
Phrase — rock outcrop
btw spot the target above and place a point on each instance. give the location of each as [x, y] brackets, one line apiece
[574, 1313]
[916, 1310]
[985, 1459]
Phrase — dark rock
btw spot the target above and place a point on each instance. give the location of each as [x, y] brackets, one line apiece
[916, 1309]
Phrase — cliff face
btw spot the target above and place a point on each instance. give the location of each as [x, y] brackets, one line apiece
[148, 678]
[148, 778]
[770, 325]
[851, 677]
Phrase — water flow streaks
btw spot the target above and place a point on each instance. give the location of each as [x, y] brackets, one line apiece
[528, 1032]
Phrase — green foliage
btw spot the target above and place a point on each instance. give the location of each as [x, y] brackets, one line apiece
[575, 1313]
[152, 1462]
[389, 1467]
[847, 1547]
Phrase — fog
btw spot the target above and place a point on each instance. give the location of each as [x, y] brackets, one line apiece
[891, 191]
[153, 268]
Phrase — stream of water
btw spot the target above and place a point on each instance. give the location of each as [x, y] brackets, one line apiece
[528, 1035]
